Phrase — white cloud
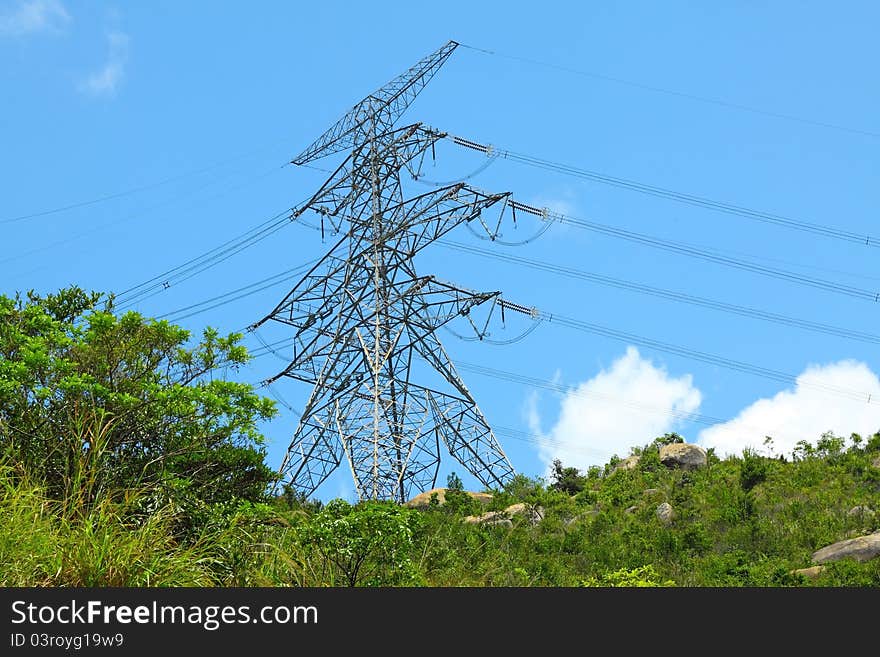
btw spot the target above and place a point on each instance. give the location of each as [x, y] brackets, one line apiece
[624, 406]
[34, 17]
[804, 413]
[105, 80]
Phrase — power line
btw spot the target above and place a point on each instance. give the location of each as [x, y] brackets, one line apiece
[631, 338]
[137, 189]
[554, 386]
[679, 94]
[147, 210]
[671, 295]
[205, 261]
[669, 194]
[579, 391]
[712, 359]
[702, 254]
[239, 293]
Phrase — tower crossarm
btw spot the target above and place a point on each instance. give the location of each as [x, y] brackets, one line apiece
[392, 100]
[342, 194]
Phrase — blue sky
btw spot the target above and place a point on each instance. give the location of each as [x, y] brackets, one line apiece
[769, 106]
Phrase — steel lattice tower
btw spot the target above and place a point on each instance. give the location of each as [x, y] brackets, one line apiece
[363, 318]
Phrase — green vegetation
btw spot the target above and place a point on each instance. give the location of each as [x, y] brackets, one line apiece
[127, 460]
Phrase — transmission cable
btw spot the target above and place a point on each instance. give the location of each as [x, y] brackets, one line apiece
[679, 94]
[681, 197]
[240, 293]
[755, 313]
[206, 260]
[702, 254]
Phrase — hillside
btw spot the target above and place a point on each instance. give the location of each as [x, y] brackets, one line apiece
[746, 521]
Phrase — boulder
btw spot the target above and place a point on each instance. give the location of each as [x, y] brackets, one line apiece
[683, 456]
[499, 522]
[535, 514]
[631, 509]
[810, 573]
[665, 513]
[861, 511]
[423, 500]
[861, 548]
[629, 463]
[483, 518]
[490, 519]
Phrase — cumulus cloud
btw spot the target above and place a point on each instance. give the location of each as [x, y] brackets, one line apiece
[105, 80]
[34, 17]
[803, 413]
[624, 406]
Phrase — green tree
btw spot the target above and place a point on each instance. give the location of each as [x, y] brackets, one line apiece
[753, 471]
[668, 439]
[93, 404]
[567, 479]
[367, 544]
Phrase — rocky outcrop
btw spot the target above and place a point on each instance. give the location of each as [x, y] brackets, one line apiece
[490, 519]
[683, 456]
[629, 463]
[665, 513]
[423, 500]
[534, 515]
[862, 548]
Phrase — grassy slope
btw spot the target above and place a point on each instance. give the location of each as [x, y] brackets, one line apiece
[739, 522]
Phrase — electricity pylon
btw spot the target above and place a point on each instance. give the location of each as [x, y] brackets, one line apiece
[365, 322]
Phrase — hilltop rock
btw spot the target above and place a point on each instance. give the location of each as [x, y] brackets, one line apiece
[423, 500]
[862, 548]
[665, 513]
[629, 463]
[683, 455]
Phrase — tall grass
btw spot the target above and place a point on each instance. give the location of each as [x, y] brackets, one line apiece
[45, 542]
[92, 533]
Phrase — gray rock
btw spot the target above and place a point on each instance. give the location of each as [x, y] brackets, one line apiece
[862, 548]
[423, 500]
[683, 456]
[629, 463]
[876, 462]
[490, 517]
[631, 509]
[648, 492]
[535, 514]
[499, 522]
[861, 511]
[665, 513]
